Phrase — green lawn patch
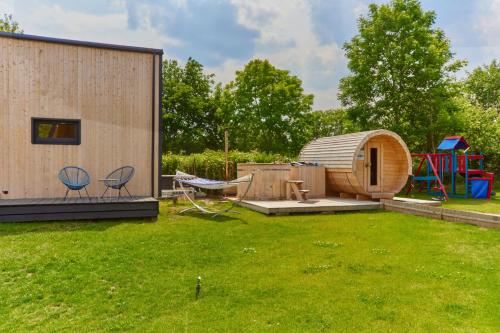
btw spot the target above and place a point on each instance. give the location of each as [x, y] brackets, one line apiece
[372, 271]
[476, 205]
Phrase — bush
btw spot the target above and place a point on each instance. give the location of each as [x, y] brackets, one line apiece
[211, 164]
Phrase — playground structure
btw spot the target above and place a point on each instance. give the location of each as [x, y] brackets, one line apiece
[478, 183]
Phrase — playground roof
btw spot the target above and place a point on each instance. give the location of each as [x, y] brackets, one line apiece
[453, 143]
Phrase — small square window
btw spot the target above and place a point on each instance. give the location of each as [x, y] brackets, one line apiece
[55, 131]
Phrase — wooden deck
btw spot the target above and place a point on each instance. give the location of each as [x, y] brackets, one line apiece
[324, 205]
[44, 209]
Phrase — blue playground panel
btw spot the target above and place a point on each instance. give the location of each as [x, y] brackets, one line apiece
[479, 188]
[453, 143]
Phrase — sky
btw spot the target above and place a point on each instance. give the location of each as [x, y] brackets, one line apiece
[302, 36]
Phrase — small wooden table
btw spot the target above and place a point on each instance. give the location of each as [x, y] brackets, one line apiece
[295, 186]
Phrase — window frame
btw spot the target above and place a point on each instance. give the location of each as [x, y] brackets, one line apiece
[36, 140]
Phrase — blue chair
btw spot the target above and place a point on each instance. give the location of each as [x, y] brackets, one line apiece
[118, 179]
[75, 179]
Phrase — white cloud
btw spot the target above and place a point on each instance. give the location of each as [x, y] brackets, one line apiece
[360, 8]
[286, 37]
[288, 40]
[488, 22]
[56, 21]
[6, 7]
[288, 33]
[326, 99]
[225, 73]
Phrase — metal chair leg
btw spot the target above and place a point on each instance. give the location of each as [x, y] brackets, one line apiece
[79, 194]
[187, 210]
[67, 191]
[127, 191]
[102, 196]
[119, 193]
[88, 196]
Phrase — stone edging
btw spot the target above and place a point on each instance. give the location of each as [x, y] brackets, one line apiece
[452, 215]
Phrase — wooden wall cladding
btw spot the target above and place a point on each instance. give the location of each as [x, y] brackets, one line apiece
[313, 178]
[269, 181]
[111, 92]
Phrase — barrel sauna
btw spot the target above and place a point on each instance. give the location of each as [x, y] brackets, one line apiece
[373, 164]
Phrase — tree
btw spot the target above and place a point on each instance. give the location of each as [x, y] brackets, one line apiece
[329, 122]
[481, 127]
[7, 24]
[481, 112]
[265, 108]
[483, 86]
[189, 109]
[401, 73]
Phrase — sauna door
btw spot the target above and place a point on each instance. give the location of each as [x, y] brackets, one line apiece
[373, 167]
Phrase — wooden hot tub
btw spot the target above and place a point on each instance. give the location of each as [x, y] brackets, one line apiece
[270, 180]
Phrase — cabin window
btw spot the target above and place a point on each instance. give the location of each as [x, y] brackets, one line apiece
[373, 166]
[55, 131]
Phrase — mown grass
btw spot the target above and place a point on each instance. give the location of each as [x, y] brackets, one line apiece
[477, 205]
[355, 272]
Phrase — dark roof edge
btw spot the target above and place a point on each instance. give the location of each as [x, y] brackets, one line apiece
[81, 43]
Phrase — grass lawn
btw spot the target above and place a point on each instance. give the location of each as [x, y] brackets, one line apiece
[353, 272]
[477, 205]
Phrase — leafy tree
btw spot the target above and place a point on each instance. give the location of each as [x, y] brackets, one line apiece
[401, 74]
[265, 108]
[483, 86]
[481, 112]
[481, 127]
[189, 109]
[7, 24]
[329, 122]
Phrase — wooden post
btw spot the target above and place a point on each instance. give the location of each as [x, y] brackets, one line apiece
[226, 151]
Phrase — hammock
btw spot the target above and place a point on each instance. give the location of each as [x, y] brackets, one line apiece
[209, 184]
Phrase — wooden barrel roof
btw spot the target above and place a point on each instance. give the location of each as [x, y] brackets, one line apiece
[340, 152]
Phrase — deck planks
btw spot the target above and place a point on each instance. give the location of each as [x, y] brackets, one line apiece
[323, 205]
[56, 209]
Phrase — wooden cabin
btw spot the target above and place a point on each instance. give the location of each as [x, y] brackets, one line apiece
[104, 100]
[372, 164]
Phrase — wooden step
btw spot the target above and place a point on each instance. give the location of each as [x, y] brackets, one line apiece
[361, 197]
[295, 181]
[304, 191]
[383, 195]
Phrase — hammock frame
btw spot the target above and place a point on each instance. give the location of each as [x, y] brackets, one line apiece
[207, 211]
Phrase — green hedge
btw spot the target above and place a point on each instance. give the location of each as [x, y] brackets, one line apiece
[211, 164]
